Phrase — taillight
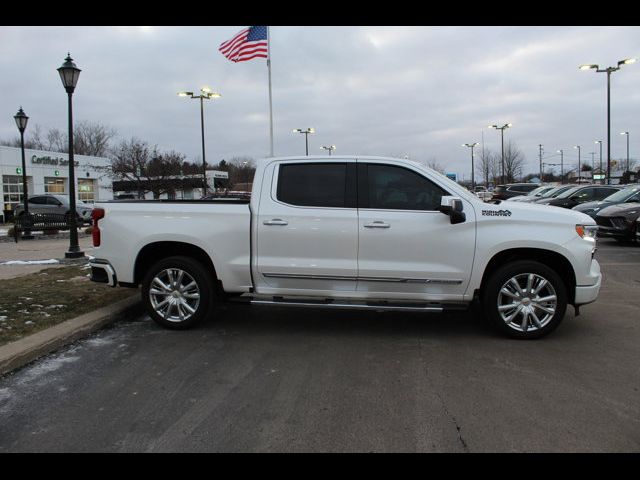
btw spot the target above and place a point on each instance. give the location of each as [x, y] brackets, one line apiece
[96, 215]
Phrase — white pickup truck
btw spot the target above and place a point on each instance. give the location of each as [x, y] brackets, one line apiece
[350, 232]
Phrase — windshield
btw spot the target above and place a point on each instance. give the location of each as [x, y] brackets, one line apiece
[534, 191]
[550, 193]
[622, 195]
[569, 192]
[538, 191]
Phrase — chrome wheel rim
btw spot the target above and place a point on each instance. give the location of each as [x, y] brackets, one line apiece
[174, 295]
[527, 302]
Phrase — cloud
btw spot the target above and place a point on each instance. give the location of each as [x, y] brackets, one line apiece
[421, 91]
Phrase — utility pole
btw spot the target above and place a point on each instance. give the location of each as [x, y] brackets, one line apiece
[540, 154]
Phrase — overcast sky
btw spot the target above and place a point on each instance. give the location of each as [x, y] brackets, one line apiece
[416, 91]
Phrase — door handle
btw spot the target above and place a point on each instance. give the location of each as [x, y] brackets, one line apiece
[275, 221]
[377, 224]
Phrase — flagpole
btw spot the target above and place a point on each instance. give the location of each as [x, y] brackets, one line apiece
[270, 101]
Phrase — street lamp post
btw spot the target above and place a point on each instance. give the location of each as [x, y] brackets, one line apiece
[205, 94]
[69, 75]
[561, 152]
[328, 147]
[21, 121]
[627, 134]
[473, 180]
[306, 136]
[600, 167]
[502, 128]
[608, 71]
[578, 147]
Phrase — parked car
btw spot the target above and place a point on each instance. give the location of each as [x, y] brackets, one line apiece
[50, 203]
[483, 194]
[619, 221]
[552, 193]
[533, 194]
[582, 194]
[350, 232]
[630, 194]
[505, 192]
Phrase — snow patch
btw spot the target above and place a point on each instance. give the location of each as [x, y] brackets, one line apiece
[31, 262]
[46, 367]
[99, 342]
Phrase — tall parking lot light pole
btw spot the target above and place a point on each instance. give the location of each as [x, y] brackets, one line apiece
[627, 135]
[306, 136]
[473, 180]
[608, 71]
[561, 152]
[502, 128]
[205, 94]
[600, 142]
[21, 121]
[69, 75]
[578, 147]
[328, 147]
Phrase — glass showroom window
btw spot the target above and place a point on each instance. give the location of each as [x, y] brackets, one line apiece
[86, 190]
[54, 185]
[12, 189]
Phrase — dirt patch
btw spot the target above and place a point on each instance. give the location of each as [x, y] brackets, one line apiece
[40, 300]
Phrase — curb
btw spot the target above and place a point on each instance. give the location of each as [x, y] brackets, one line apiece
[17, 354]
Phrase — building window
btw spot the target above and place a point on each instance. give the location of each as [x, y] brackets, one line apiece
[86, 190]
[54, 185]
[12, 189]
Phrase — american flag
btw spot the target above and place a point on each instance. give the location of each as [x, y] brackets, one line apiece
[245, 45]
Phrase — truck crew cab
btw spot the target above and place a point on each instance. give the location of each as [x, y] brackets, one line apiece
[351, 232]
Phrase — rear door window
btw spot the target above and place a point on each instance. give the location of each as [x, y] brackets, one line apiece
[316, 184]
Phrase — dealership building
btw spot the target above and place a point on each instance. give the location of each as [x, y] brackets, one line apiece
[48, 172]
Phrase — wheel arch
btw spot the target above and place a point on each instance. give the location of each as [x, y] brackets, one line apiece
[554, 260]
[153, 252]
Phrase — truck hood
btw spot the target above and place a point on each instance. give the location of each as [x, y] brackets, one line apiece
[621, 209]
[538, 212]
[592, 205]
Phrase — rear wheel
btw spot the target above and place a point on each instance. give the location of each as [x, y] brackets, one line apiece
[525, 299]
[177, 292]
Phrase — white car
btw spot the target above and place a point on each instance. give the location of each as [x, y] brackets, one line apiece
[350, 232]
[484, 195]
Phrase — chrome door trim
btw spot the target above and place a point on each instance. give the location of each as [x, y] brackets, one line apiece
[442, 281]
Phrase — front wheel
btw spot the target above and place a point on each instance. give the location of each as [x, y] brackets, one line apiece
[525, 299]
[177, 292]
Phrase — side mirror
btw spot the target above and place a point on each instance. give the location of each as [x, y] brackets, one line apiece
[453, 207]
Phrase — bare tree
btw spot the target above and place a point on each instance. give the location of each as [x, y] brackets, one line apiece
[241, 170]
[513, 162]
[130, 162]
[487, 165]
[433, 164]
[90, 138]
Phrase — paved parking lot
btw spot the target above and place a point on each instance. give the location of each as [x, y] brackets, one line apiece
[276, 379]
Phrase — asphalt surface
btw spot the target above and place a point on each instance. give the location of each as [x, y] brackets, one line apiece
[277, 379]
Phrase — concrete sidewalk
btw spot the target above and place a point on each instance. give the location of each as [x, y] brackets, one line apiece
[37, 249]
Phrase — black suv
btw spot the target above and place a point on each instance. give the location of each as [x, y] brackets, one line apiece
[504, 192]
[582, 194]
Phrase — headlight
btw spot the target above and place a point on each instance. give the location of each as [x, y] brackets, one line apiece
[588, 232]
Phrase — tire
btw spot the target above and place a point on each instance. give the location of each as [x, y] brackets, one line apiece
[505, 306]
[182, 307]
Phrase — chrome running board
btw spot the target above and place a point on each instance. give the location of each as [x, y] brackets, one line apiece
[344, 304]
